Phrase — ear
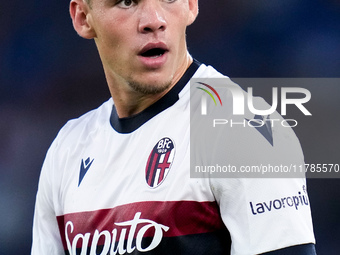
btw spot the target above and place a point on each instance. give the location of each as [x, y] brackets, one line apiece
[193, 11]
[79, 11]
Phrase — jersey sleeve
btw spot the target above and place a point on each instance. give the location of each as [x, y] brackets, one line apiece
[264, 214]
[46, 236]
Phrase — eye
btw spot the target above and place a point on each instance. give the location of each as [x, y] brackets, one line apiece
[125, 3]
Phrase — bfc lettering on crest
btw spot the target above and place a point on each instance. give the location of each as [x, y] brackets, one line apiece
[159, 162]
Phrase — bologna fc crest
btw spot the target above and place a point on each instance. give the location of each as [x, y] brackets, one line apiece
[159, 162]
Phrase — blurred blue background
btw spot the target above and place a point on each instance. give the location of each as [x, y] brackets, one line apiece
[48, 75]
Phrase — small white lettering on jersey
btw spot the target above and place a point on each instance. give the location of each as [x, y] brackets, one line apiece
[110, 238]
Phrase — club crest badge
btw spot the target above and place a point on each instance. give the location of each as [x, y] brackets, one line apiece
[159, 162]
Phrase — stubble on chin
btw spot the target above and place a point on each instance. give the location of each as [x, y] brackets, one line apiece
[149, 88]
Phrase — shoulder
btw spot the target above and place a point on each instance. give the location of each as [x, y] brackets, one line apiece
[81, 127]
[240, 128]
[65, 153]
[206, 71]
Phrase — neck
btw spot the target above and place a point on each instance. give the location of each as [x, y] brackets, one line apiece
[129, 102]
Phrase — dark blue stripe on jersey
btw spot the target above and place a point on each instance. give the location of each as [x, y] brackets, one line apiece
[304, 249]
[130, 124]
[213, 243]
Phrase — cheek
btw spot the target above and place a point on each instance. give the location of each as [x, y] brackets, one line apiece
[180, 11]
[179, 29]
[118, 35]
[110, 39]
[178, 20]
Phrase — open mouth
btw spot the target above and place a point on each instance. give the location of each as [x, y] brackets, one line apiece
[154, 53]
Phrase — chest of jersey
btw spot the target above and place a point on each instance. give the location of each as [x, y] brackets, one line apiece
[131, 193]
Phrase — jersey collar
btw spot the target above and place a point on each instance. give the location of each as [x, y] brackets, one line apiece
[130, 124]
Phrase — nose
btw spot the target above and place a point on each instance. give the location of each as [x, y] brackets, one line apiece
[152, 17]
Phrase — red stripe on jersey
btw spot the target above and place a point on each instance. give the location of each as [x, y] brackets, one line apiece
[177, 218]
[153, 169]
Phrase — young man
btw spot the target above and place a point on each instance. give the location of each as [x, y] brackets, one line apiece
[117, 180]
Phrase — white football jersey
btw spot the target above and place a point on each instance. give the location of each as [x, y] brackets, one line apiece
[123, 186]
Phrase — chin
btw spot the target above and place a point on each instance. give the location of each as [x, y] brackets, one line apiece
[151, 86]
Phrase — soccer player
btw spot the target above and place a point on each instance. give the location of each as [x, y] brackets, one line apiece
[117, 179]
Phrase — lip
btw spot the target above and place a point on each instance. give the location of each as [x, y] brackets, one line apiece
[154, 62]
